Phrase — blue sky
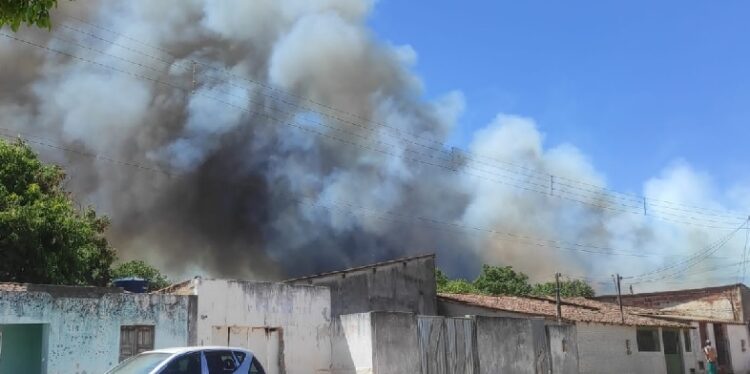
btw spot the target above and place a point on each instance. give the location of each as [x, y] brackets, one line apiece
[636, 85]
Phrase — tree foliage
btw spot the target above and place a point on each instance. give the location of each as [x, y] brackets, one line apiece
[44, 238]
[568, 288]
[503, 280]
[30, 12]
[143, 270]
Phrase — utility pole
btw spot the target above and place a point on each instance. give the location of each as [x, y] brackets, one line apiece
[194, 82]
[617, 278]
[557, 298]
[551, 185]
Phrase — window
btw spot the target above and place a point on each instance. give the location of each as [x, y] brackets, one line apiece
[185, 364]
[255, 367]
[686, 338]
[240, 357]
[135, 339]
[220, 362]
[648, 340]
[142, 363]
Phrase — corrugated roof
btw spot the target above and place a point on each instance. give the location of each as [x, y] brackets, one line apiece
[365, 267]
[577, 309]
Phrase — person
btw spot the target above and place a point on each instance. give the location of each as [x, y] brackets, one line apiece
[710, 353]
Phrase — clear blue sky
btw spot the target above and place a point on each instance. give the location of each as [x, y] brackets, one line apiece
[634, 84]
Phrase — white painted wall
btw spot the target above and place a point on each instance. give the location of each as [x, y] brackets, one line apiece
[691, 358]
[601, 349]
[302, 312]
[351, 344]
[83, 333]
[740, 359]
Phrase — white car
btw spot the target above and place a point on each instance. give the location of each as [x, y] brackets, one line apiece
[191, 360]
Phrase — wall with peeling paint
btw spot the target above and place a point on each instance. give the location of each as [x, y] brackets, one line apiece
[614, 349]
[82, 324]
[737, 335]
[406, 285]
[297, 320]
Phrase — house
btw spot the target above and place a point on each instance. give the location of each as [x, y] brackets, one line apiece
[385, 320]
[287, 326]
[606, 340]
[401, 285]
[719, 314]
[67, 329]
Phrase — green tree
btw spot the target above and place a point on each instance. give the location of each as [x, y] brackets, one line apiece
[440, 278]
[30, 12]
[458, 286]
[43, 237]
[568, 288]
[502, 280]
[140, 269]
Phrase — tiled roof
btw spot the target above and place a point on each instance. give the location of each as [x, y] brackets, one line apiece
[577, 309]
[183, 288]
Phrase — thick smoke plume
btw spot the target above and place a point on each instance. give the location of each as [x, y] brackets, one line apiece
[273, 138]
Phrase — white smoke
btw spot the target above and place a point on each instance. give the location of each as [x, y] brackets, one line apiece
[338, 173]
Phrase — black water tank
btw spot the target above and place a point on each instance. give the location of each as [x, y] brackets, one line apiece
[132, 284]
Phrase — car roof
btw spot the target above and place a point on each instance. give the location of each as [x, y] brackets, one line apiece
[181, 350]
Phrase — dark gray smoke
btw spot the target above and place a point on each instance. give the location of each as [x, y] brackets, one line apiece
[310, 165]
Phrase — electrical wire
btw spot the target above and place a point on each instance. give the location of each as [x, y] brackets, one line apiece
[653, 203]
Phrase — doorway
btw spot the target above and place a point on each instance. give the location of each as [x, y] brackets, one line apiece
[672, 351]
[723, 358]
[21, 347]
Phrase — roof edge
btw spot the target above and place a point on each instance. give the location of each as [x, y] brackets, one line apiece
[364, 267]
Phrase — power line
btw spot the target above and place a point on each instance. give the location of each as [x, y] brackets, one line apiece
[295, 125]
[335, 205]
[617, 195]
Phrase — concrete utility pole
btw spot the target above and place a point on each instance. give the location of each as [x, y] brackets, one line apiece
[194, 82]
[557, 298]
[617, 278]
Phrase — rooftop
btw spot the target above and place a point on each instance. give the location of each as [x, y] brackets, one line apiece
[59, 290]
[677, 292]
[575, 309]
[365, 267]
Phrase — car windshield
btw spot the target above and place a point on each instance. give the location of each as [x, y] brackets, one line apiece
[140, 364]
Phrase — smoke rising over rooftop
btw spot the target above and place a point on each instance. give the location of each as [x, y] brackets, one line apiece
[293, 140]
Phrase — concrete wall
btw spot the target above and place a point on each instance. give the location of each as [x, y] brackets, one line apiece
[375, 343]
[603, 348]
[512, 345]
[82, 324]
[563, 346]
[396, 346]
[300, 315]
[352, 344]
[448, 345]
[740, 358]
[396, 286]
[696, 354]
